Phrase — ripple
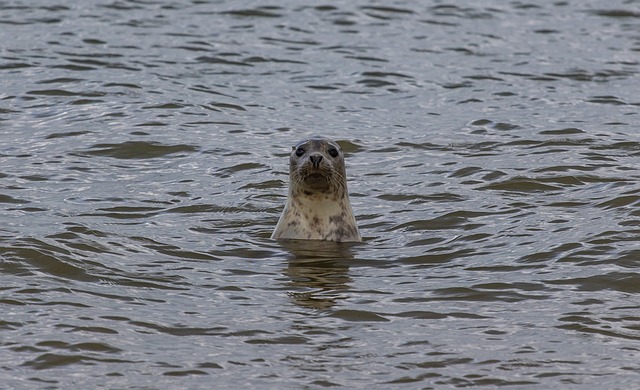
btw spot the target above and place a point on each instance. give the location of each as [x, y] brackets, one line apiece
[258, 12]
[221, 61]
[53, 360]
[523, 185]
[358, 316]
[137, 150]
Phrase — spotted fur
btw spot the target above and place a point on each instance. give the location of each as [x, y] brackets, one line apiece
[318, 206]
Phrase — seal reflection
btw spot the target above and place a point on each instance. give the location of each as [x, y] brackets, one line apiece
[318, 272]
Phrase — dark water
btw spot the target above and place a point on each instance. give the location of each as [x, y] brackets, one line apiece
[493, 155]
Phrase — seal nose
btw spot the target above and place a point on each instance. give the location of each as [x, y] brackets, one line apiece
[315, 160]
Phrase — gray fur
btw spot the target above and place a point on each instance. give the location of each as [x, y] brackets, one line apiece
[318, 206]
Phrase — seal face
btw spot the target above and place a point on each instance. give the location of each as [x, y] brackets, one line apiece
[318, 206]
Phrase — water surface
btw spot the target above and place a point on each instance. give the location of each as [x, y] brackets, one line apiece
[493, 162]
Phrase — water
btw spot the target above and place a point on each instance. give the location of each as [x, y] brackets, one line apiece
[492, 154]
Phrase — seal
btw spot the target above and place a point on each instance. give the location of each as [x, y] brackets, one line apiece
[318, 206]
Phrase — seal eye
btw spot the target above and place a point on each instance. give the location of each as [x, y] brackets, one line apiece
[299, 152]
[333, 152]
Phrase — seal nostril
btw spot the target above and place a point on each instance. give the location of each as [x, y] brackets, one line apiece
[315, 160]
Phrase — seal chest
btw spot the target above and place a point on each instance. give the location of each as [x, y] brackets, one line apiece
[318, 206]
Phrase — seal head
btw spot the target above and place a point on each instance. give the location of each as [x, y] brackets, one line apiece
[318, 206]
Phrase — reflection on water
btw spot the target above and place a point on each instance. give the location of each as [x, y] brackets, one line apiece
[492, 158]
[303, 251]
[324, 280]
[320, 269]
